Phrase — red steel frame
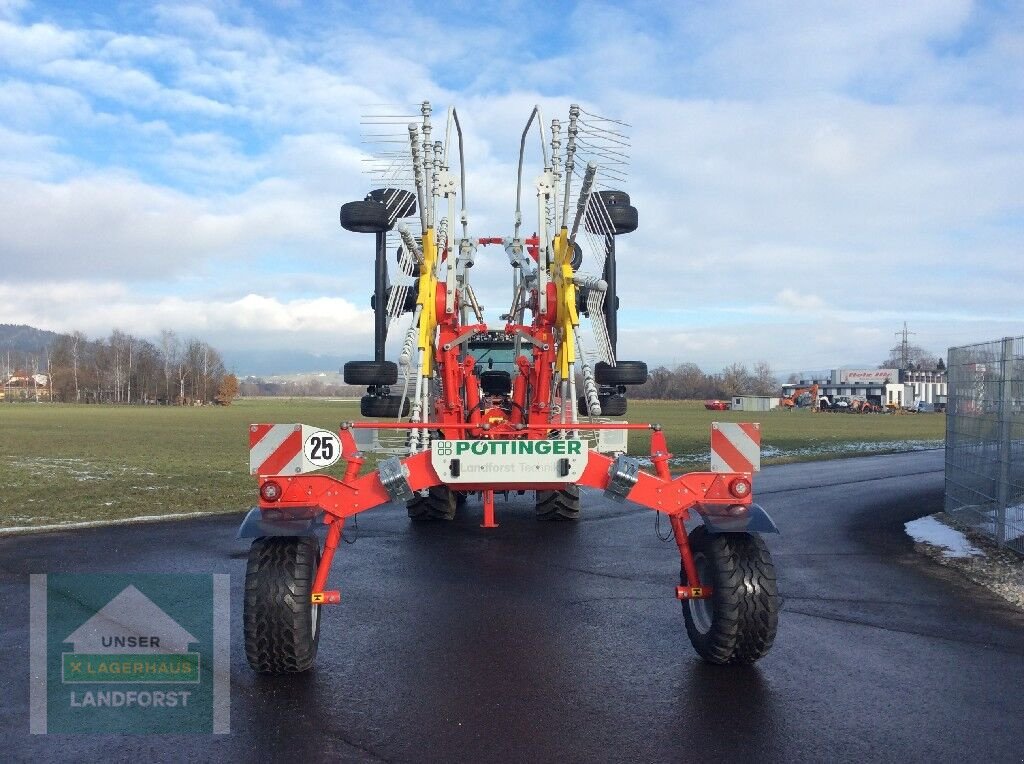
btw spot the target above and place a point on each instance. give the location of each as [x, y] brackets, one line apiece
[705, 492]
[708, 492]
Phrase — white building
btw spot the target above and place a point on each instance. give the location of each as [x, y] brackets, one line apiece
[901, 387]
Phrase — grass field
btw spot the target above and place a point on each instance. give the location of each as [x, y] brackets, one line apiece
[66, 463]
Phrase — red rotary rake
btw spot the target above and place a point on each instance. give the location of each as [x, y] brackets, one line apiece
[484, 410]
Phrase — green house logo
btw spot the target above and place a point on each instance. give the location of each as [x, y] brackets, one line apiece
[130, 641]
[129, 654]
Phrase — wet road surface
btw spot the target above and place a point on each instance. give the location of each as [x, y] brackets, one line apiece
[558, 641]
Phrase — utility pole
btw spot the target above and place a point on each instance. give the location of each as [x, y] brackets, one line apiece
[904, 346]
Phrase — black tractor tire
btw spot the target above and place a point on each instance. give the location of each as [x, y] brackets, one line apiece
[370, 373]
[620, 219]
[563, 504]
[399, 202]
[383, 406]
[281, 625]
[577, 256]
[613, 405]
[439, 504]
[410, 298]
[737, 624]
[613, 198]
[365, 217]
[622, 373]
[625, 219]
[398, 259]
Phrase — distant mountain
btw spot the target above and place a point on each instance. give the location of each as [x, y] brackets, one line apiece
[25, 339]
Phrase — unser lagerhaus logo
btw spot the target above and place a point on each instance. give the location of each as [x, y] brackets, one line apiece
[129, 654]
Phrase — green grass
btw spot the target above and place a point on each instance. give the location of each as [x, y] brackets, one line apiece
[67, 463]
[786, 436]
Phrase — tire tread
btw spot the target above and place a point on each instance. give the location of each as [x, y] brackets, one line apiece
[440, 503]
[563, 504]
[745, 598]
[279, 575]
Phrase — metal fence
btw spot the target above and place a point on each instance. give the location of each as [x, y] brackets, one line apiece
[985, 439]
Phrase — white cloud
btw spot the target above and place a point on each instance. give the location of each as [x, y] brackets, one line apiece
[805, 303]
[317, 324]
[113, 226]
[26, 46]
[794, 163]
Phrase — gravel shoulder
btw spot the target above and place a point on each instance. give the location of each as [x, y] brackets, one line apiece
[997, 569]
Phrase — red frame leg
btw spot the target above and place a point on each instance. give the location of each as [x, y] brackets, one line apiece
[696, 589]
[489, 522]
[323, 570]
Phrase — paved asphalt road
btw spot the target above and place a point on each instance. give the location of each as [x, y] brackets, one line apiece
[562, 642]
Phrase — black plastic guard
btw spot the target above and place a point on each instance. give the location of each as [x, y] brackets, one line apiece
[726, 519]
[294, 521]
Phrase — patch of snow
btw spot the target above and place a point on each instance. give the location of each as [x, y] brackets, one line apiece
[20, 529]
[848, 448]
[928, 530]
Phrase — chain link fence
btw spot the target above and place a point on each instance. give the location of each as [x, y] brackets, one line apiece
[985, 439]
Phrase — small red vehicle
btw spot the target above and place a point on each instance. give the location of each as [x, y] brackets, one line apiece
[716, 405]
[474, 408]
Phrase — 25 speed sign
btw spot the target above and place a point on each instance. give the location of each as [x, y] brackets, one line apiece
[322, 448]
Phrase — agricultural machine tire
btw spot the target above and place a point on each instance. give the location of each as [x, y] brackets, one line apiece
[577, 256]
[614, 198]
[383, 406]
[282, 626]
[410, 297]
[415, 266]
[737, 624]
[371, 373]
[563, 504]
[613, 405]
[616, 219]
[625, 219]
[399, 202]
[622, 373]
[439, 504]
[365, 217]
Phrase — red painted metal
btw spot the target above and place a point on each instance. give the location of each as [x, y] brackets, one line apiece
[488, 521]
[323, 570]
[463, 411]
[685, 553]
[347, 497]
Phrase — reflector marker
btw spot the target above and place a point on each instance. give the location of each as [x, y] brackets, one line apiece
[278, 452]
[735, 447]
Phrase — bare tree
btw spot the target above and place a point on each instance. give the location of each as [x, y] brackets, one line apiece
[169, 350]
[764, 381]
[735, 380]
[77, 338]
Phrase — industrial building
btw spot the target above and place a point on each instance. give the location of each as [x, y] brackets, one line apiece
[901, 387]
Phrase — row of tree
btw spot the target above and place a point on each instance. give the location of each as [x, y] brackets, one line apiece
[126, 369]
[688, 381]
[313, 388]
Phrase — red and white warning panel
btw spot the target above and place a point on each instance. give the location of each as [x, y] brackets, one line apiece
[291, 449]
[735, 447]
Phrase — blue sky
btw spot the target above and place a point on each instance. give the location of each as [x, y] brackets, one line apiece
[809, 174]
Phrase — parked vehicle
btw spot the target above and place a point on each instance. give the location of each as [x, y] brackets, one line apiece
[801, 397]
[716, 405]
